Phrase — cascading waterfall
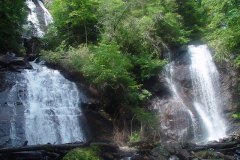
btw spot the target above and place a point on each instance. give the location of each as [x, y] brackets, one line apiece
[33, 20]
[52, 112]
[11, 97]
[190, 105]
[206, 85]
[50, 104]
[47, 16]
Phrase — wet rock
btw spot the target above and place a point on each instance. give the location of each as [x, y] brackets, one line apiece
[32, 46]
[14, 63]
[160, 152]
[6, 59]
[208, 154]
[4, 129]
[230, 91]
[4, 141]
[108, 156]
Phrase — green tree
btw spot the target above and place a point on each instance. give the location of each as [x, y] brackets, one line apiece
[12, 16]
[75, 21]
[194, 17]
[107, 66]
[223, 32]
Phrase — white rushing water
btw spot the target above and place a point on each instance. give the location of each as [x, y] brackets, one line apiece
[177, 98]
[206, 85]
[33, 17]
[52, 112]
[47, 16]
[10, 100]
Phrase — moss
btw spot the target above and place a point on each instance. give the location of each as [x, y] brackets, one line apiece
[83, 154]
[209, 154]
[236, 115]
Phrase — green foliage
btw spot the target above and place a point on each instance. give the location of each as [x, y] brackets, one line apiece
[223, 31]
[194, 17]
[237, 61]
[144, 95]
[12, 16]
[78, 57]
[236, 115]
[83, 154]
[107, 66]
[144, 116]
[74, 21]
[142, 26]
[50, 56]
[135, 137]
[72, 58]
[147, 65]
[207, 154]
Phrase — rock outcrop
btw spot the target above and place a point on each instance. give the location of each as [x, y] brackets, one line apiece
[230, 94]
[9, 61]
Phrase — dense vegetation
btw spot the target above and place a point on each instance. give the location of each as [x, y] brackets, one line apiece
[12, 16]
[222, 30]
[121, 45]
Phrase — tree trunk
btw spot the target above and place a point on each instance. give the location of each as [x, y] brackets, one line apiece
[86, 34]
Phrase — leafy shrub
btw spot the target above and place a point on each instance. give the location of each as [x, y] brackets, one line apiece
[74, 58]
[135, 137]
[222, 31]
[51, 56]
[148, 66]
[75, 21]
[236, 115]
[144, 116]
[107, 66]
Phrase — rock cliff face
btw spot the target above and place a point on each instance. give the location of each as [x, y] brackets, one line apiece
[230, 94]
[173, 100]
[10, 104]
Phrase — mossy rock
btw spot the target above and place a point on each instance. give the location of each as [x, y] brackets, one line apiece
[208, 154]
[83, 154]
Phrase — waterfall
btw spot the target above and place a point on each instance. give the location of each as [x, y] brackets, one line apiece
[11, 96]
[52, 112]
[52, 103]
[33, 19]
[47, 16]
[34, 16]
[207, 97]
[177, 120]
[189, 102]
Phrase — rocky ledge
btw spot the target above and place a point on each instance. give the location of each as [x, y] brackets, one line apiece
[10, 62]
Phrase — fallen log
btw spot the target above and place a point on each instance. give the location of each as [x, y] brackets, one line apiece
[59, 148]
[215, 146]
[45, 147]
